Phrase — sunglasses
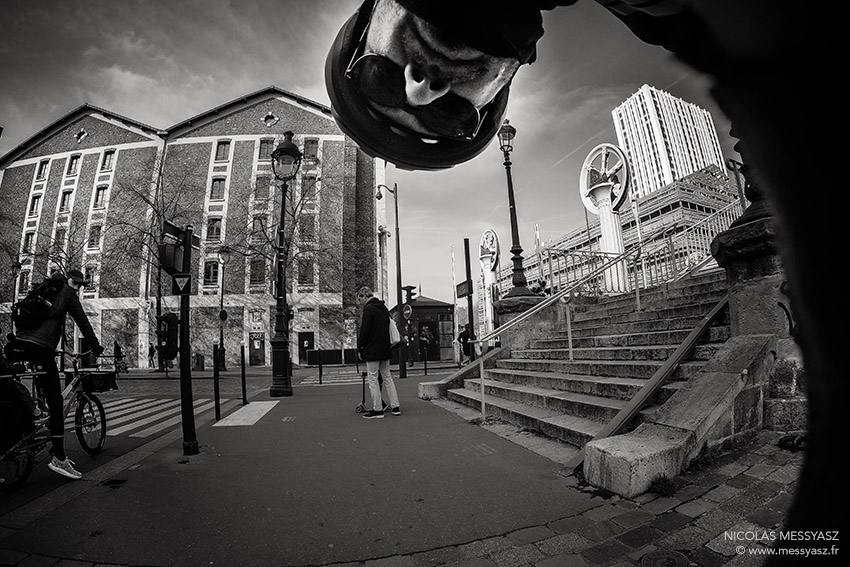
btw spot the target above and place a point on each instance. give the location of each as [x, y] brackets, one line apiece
[382, 81]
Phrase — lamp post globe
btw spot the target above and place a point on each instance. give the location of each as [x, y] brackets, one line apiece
[520, 284]
[286, 159]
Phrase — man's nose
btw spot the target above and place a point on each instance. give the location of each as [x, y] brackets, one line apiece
[420, 89]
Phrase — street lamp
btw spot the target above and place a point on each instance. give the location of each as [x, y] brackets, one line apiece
[223, 259]
[286, 159]
[402, 353]
[506, 138]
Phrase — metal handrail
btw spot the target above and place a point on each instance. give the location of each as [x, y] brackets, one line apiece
[555, 297]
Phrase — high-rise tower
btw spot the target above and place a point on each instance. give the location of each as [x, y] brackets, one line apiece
[664, 138]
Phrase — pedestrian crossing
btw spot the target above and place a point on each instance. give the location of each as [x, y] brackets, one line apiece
[332, 380]
[144, 417]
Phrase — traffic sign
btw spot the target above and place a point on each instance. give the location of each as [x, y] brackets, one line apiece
[171, 230]
[406, 311]
[464, 289]
[181, 284]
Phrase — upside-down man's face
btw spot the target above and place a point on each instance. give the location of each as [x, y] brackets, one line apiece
[433, 64]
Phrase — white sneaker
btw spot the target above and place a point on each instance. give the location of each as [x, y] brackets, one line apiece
[65, 468]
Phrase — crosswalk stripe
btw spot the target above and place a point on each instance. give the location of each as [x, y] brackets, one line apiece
[134, 413]
[247, 415]
[125, 403]
[226, 404]
[138, 423]
[111, 416]
[331, 381]
[140, 412]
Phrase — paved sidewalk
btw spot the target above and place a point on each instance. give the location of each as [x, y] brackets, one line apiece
[311, 483]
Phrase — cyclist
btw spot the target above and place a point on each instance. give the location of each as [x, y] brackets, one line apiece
[38, 346]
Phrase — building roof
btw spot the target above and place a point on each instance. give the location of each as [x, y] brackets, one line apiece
[251, 98]
[422, 302]
[81, 110]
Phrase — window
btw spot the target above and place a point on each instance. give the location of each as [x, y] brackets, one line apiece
[211, 272]
[307, 228]
[35, 205]
[311, 150]
[222, 151]
[305, 271]
[258, 270]
[41, 173]
[258, 229]
[23, 282]
[90, 272]
[94, 236]
[73, 165]
[99, 197]
[106, 164]
[217, 190]
[261, 191]
[214, 230]
[65, 202]
[28, 240]
[308, 187]
[266, 148]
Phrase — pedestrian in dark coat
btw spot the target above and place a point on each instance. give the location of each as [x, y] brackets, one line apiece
[373, 346]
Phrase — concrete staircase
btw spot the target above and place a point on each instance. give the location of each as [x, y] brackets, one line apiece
[616, 349]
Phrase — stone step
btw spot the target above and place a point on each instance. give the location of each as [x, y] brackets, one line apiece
[575, 431]
[648, 313]
[589, 328]
[662, 295]
[597, 408]
[614, 388]
[648, 352]
[642, 369]
[718, 334]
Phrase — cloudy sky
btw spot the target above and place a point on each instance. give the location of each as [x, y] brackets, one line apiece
[162, 61]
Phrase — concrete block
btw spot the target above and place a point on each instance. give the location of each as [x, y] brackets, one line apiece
[437, 389]
[627, 464]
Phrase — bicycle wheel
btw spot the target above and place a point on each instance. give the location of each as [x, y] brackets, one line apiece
[15, 469]
[90, 423]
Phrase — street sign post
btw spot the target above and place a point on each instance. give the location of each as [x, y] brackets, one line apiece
[181, 284]
[464, 289]
[174, 232]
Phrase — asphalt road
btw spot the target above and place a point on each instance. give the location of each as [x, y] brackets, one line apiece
[309, 483]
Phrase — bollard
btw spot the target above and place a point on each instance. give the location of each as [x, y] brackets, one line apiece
[242, 364]
[320, 367]
[215, 383]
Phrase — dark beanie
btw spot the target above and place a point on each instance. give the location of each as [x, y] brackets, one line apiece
[503, 28]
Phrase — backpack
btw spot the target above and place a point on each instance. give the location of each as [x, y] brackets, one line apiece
[29, 313]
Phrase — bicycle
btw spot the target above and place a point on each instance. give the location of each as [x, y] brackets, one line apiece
[28, 449]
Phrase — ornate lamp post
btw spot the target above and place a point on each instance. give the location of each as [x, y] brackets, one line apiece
[223, 259]
[506, 138]
[402, 353]
[286, 159]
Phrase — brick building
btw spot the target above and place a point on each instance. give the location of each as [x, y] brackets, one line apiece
[92, 190]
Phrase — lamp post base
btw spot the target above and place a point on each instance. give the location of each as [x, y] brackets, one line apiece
[281, 369]
[519, 291]
[280, 391]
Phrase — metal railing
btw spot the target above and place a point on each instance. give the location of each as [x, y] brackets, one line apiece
[663, 257]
